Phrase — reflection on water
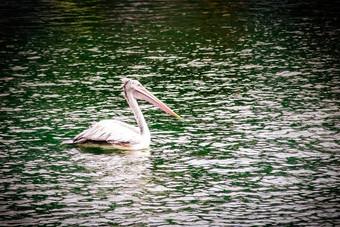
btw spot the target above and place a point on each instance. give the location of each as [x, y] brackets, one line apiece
[257, 85]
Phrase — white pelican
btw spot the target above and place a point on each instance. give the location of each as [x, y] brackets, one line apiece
[119, 135]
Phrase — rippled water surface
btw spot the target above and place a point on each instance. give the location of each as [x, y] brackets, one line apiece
[256, 84]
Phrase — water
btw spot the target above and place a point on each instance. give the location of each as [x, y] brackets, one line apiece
[256, 84]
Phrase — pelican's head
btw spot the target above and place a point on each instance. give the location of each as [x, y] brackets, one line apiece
[138, 91]
[129, 84]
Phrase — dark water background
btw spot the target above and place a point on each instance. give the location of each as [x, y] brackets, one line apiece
[257, 85]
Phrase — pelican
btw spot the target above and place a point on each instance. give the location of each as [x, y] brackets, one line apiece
[119, 135]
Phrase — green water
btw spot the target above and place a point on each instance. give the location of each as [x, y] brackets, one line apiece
[256, 84]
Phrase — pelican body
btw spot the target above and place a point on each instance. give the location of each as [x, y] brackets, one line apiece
[119, 135]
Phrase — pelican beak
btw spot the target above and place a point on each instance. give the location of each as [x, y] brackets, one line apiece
[142, 93]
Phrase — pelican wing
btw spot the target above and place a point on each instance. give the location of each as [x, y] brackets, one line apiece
[110, 131]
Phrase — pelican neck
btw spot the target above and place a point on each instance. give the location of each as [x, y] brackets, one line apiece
[143, 127]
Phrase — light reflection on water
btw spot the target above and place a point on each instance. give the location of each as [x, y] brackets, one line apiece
[256, 84]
